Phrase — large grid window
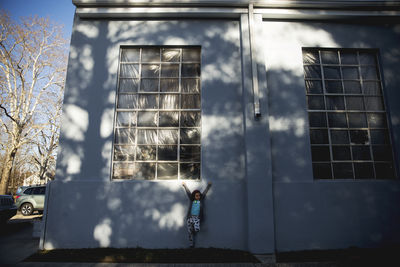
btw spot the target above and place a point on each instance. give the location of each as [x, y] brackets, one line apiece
[349, 131]
[158, 116]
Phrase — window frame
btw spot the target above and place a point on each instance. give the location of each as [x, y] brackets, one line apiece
[175, 111]
[363, 112]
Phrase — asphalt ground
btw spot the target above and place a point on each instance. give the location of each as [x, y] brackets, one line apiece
[16, 240]
[17, 244]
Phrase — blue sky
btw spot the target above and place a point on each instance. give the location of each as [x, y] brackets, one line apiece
[60, 11]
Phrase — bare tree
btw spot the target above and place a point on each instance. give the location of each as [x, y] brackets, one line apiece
[32, 71]
[44, 156]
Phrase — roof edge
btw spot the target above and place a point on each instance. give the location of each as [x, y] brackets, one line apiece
[331, 4]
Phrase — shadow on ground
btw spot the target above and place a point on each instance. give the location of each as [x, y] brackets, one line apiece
[16, 241]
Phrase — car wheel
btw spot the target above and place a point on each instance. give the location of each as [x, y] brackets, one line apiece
[26, 209]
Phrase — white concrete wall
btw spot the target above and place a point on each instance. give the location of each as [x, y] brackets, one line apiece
[240, 154]
[321, 214]
[87, 209]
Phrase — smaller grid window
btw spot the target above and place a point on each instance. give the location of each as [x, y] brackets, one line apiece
[349, 133]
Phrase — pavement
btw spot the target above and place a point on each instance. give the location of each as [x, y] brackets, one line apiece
[19, 239]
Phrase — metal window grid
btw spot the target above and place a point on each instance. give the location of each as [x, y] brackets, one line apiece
[319, 63]
[136, 109]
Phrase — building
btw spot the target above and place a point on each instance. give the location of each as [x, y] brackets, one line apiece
[290, 109]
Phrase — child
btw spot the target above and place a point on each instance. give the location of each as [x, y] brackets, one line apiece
[195, 212]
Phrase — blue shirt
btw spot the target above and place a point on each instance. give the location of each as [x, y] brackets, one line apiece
[195, 208]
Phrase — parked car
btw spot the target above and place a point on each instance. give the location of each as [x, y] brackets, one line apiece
[7, 208]
[31, 199]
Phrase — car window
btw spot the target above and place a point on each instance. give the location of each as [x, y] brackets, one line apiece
[42, 190]
[28, 191]
[20, 189]
[36, 191]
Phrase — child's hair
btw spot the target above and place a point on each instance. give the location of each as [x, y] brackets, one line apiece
[194, 193]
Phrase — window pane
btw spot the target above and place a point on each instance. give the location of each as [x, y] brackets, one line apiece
[354, 103]
[357, 120]
[341, 153]
[348, 58]
[147, 118]
[382, 153]
[123, 170]
[169, 85]
[124, 136]
[147, 136]
[190, 118]
[320, 153]
[169, 153]
[167, 171]
[342, 170]
[189, 170]
[28, 191]
[333, 87]
[384, 170]
[169, 119]
[190, 136]
[322, 170]
[329, 57]
[148, 101]
[149, 85]
[359, 137]
[364, 170]
[128, 85]
[191, 85]
[339, 137]
[377, 120]
[312, 72]
[361, 152]
[316, 102]
[36, 191]
[317, 119]
[337, 120]
[127, 119]
[145, 171]
[191, 54]
[169, 101]
[127, 101]
[319, 136]
[379, 137]
[124, 153]
[335, 103]
[129, 71]
[310, 57]
[372, 88]
[146, 153]
[350, 73]
[150, 54]
[352, 87]
[190, 70]
[369, 73]
[332, 72]
[150, 70]
[130, 55]
[168, 137]
[170, 70]
[171, 55]
[373, 103]
[189, 153]
[190, 101]
[367, 58]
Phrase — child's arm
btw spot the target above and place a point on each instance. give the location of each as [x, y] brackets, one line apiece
[206, 190]
[188, 193]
